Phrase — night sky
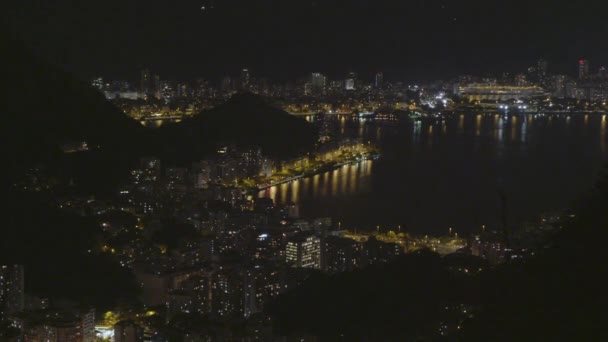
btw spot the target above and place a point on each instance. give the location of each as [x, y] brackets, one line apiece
[409, 40]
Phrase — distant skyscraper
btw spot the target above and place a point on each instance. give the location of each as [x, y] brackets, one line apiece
[156, 87]
[227, 293]
[318, 82]
[349, 84]
[145, 81]
[226, 85]
[558, 86]
[245, 81]
[202, 173]
[379, 81]
[350, 81]
[542, 66]
[307, 88]
[266, 167]
[583, 69]
[11, 290]
[521, 80]
[340, 254]
[87, 325]
[542, 71]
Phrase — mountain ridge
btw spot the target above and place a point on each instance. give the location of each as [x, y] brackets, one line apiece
[245, 120]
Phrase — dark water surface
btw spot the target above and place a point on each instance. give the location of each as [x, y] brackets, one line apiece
[435, 175]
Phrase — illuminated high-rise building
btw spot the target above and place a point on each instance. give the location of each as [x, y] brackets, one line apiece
[202, 173]
[350, 81]
[226, 84]
[379, 80]
[59, 325]
[375, 251]
[558, 86]
[251, 160]
[156, 87]
[87, 325]
[542, 66]
[318, 81]
[521, 80]
[349, 84]
[227, 292]
[542, 71]
[266, 167]
[11, 290]
[583, 69]
[245, 79]
[304, 251]
[340, 254]
[145, 81]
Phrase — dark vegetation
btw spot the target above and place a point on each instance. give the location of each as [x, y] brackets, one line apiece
[173, 232]
[402, 299]
[59, 254]
[558, 295]
[245, 120]
[44, 107]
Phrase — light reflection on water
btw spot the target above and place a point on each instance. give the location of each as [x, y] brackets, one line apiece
[603, 135]
[344, 181]
[432, 175]
[158, 123]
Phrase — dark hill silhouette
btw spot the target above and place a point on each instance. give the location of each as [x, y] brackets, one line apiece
[397, 301]
[51, 104]
[44, 107]
[557, 295]
[244, 120]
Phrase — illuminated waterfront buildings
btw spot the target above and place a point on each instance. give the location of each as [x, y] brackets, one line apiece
[495, 92]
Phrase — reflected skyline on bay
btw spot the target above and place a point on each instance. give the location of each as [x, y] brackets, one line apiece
[426, 168]
[345, 181]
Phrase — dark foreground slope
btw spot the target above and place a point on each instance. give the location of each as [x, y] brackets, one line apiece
[245, 120]
[557, 295]
[59, 253]
[44, 107]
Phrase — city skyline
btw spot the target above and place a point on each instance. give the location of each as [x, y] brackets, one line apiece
[316, 83]
[310, 170]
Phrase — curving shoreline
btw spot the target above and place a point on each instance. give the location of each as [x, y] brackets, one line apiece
[319, 171]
